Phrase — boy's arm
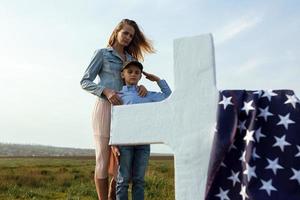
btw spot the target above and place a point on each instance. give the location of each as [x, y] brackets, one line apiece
[163, 85]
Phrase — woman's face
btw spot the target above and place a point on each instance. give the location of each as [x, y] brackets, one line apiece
[125, 35]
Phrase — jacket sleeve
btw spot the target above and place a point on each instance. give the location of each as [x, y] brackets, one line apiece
[87, 81]
[165, 92]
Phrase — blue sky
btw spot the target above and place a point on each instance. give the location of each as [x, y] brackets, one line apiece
[46, 46]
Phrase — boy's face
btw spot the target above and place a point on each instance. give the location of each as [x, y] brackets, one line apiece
[131, 75]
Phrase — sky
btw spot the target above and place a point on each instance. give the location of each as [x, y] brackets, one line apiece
[45, 47]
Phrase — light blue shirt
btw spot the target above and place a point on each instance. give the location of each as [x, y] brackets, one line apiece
[107, 64]
[129, 94]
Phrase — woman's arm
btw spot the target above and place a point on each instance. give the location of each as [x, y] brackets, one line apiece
[91, 73]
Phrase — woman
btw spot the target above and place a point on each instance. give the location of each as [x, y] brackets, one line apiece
[126, 43]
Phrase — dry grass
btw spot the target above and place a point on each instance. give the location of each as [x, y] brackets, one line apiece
[72, 178]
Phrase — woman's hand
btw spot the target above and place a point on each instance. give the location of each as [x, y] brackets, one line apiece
[142, 91]
[151, 77]
[112, 96]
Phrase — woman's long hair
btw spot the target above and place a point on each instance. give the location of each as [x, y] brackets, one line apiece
[139, 45]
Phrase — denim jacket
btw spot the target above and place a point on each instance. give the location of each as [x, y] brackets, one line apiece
[107, 64]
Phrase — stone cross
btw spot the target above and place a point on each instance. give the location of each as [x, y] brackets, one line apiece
[184, 121]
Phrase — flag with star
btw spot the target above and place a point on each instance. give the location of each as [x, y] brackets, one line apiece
[256, 149]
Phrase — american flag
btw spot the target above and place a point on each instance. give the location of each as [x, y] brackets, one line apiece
[256, 149]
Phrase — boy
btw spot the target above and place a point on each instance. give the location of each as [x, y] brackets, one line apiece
[133, 160]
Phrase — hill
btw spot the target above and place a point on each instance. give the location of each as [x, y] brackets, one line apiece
[20, 150]
[29, 150]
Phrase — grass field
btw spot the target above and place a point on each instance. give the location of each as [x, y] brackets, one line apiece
[72, 179]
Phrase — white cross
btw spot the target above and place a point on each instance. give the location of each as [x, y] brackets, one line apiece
[184, 121]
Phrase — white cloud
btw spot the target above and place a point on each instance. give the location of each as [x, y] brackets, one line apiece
[232, 29]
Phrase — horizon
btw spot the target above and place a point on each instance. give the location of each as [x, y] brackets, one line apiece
[75, 148]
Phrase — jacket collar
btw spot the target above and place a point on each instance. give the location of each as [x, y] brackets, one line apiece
[128, 56]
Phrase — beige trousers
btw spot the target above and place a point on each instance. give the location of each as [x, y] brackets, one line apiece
[101, 128]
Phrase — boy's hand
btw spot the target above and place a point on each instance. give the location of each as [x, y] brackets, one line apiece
[151, 77]
[116, 152]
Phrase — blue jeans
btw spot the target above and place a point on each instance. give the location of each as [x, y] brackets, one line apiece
[133, 164]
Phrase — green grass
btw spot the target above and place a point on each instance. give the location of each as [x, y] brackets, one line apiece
[71, 179]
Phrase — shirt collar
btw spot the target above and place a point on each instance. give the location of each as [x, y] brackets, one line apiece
[127, 88]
